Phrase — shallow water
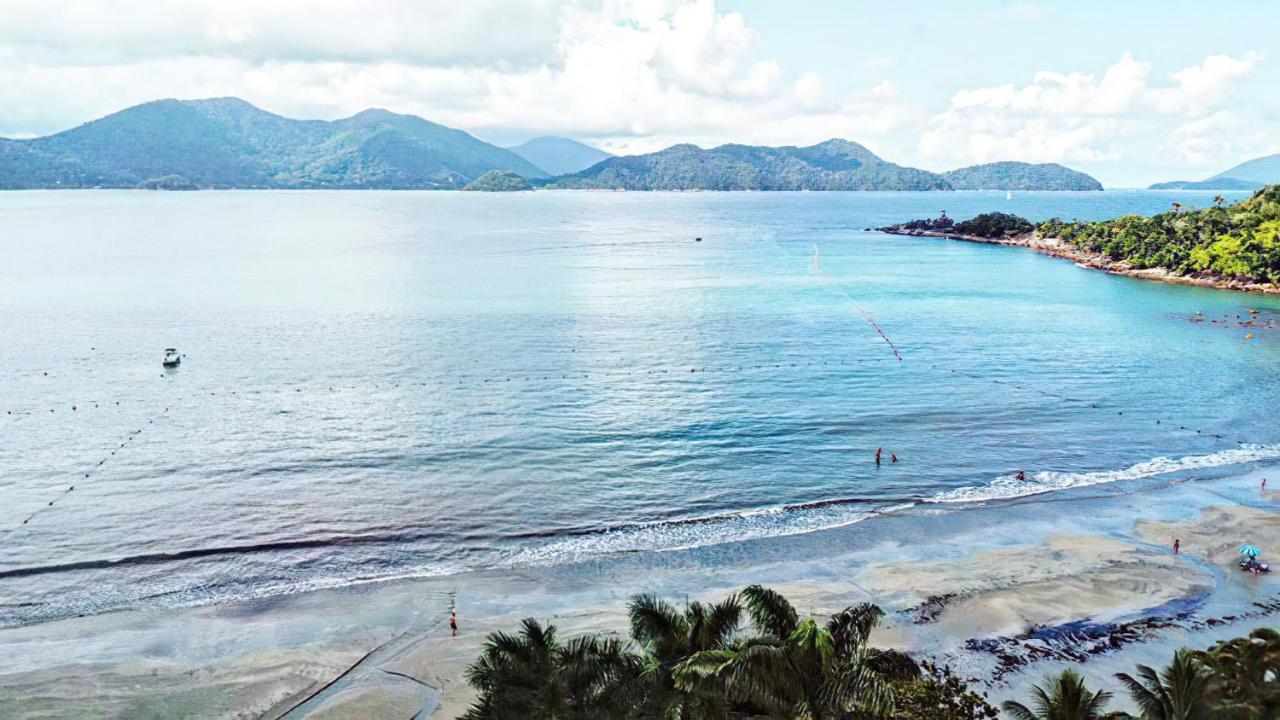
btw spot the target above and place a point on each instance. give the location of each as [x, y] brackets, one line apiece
[393, 384]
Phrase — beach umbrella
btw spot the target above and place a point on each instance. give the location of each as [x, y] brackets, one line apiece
[1250, 551]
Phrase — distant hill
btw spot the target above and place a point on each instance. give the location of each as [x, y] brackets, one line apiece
[1249, 175]
[1220, 183]
[559, 155]
[1020, 176]
[832, 165]
[498, 181]
[228, 143]
[1263, 170]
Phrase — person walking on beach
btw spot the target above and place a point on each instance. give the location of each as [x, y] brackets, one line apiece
[1176, 544]
[453, 622]
[878, 453]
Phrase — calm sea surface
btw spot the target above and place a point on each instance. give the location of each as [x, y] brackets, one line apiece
[380, 385]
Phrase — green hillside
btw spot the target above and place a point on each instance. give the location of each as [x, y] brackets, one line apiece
[1236, 241]
[832, 165]
[226, 142]
[1020, 176]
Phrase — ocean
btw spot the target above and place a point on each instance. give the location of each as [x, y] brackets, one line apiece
[382, 385]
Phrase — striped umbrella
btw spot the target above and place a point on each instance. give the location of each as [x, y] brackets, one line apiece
[1250, 551]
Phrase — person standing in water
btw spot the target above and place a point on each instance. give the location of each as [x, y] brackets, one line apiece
[893, 457]
[878, 452]
[1021, 476]
[1176, 544]
[453, 622]
[1264, 484]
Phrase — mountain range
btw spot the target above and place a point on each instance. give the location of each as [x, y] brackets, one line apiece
[559, 155]
[229, 143]
[1249, 175]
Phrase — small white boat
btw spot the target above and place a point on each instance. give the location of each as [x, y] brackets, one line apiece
[1008, 194]
[171, 357]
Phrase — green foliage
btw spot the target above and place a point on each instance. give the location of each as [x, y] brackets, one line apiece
[699, 662]
[533, 675]
[1061, 697]
[1179, 692]
[1245, 676]
[1020, 176]
[796, 668]
[938, 695]
[1240, 241]
[832, 165]
[498, 181]
[994, 225]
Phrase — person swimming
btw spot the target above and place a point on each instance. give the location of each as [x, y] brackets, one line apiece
[1021, 476]
[893, 458]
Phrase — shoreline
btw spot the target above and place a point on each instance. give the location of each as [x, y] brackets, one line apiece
[986, 597]
[1054, 247]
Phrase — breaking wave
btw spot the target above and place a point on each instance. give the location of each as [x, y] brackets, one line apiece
[1007, 486]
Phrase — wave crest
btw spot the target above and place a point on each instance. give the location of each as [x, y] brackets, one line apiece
[1007, 487]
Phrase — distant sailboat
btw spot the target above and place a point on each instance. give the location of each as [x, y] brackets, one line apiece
[1008, 194]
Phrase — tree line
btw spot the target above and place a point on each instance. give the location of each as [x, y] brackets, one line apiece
[1239, 241]
[753, 656]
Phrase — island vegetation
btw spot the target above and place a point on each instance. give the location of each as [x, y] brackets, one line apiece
[1020, 176]
[986, 225]
[1239, 242]
[752, 655]
[1234, 246]
[499, 181]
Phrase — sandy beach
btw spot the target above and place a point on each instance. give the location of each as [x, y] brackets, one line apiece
[1000, 592]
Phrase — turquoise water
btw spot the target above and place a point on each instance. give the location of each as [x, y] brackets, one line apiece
[382, 385]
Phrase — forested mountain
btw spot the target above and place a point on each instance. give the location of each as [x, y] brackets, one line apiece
[832, 165]
[1020, 176]
[226, 142]
[559, 155]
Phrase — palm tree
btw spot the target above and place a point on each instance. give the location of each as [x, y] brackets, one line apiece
[1061, 697]
[1180, 692]
[795, 668]
[668, 637]
[531, 674]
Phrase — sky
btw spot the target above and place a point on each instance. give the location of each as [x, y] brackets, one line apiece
[1132, 92]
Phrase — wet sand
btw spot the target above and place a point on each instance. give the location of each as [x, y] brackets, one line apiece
[1004, 593]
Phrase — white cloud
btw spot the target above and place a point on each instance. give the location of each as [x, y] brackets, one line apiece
[1082, 117]
[633, 74]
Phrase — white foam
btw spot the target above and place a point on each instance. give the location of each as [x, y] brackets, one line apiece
[658, 537]
[1007, 486]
